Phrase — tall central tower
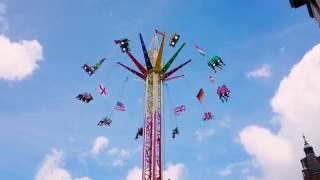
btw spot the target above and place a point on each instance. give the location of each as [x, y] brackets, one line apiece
[153, 74]
[152, 149]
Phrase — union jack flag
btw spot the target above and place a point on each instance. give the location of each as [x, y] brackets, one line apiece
[178, 110]
[120, 106]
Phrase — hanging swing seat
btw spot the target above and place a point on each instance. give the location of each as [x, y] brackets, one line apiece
[207, 116]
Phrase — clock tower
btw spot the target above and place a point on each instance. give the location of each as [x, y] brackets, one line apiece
[310, 164]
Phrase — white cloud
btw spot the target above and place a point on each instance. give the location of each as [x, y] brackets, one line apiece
[249, 177]
[117, 162]
[134, 174]
[52, 168]
[173, 171]
[118, 156]
[244, 168]
[99, 144]
[204, 133]
[252, 136]
[225, 122]
[296, 104]
[83, 178]
[262, 72]
[226, 171]
[115, 156]
[18, 59]
[119, 152]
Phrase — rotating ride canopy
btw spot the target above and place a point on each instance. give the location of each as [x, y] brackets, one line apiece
[154, 74]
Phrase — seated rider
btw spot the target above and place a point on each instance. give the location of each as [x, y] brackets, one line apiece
[174, 39]
[219, 60]
[88, 69]
[226, 90]
[80, 96]
[214, 62]
[220, 92]
[217, 64]
[105, 121]
[223, 93]
[139, 133]
[207, 116]
[175, 132]
[212, 65]
[85, 97]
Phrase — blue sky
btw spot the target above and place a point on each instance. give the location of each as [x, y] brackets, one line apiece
[39, 113]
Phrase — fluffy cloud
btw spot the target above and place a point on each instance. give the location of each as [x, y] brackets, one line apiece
[244, 168]
[173, 171]
[261, 149]
[134, 174]
[119, 152]
[296, 105]
[262, 72]
[83, 178]
[204, 133]
[225, 122]
[52, 168]
[18, 59]
[226, 171]
[118, 156]
[99, 144]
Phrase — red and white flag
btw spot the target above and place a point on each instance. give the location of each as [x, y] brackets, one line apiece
[178, 110]
[102, 89]
[211, 78]
[120, 106]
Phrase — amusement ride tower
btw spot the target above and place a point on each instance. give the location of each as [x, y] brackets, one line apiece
[154, 74]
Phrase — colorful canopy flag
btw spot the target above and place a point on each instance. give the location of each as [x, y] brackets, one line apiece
[173, 77]
[200, 95]
[200, 50]
[120, 106]
[178, 110]
[102, 89]
[98, 64]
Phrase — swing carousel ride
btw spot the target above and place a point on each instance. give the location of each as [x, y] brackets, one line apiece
[155, 75]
